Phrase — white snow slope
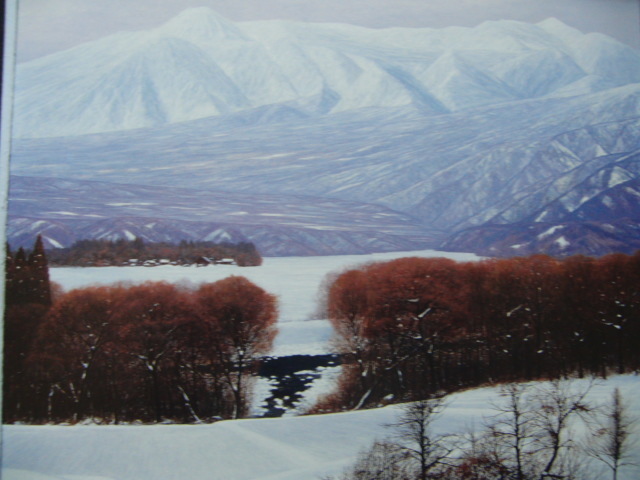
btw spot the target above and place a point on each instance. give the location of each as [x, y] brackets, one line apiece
[294, 448]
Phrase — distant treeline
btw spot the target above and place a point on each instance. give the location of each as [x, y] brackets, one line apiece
[415, 326]
[119, 252]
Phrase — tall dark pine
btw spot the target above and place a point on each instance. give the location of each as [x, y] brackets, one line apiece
[10, 272]
[39, 285]
[28, 297]
[27, 279]
[16, 278]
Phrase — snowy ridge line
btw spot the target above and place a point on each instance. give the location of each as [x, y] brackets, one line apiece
[311, 69]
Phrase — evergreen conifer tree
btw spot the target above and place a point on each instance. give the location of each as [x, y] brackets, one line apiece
[10, 272]
[39, 285]
[16, 278]
[27, 299]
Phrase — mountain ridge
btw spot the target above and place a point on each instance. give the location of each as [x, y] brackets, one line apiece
[462, 136]
[248, 68]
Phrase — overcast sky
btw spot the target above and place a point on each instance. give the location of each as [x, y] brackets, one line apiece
[46, 26]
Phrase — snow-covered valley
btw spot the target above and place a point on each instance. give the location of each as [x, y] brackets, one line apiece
[293, 447]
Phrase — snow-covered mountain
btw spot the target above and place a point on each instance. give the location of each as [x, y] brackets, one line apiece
[424, 135]
[200, 64]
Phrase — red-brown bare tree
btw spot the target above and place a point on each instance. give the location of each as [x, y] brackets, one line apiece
[72, 347]
[150, 318]
[240, 319]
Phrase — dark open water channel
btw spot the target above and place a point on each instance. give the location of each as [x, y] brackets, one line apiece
[290, 376]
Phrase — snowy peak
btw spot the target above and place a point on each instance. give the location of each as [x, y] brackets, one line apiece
[200, 86]
[201, 25]
[224, 235]
[510, 35]
[559, 29]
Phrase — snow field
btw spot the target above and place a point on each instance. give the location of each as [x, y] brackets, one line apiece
[292, 448]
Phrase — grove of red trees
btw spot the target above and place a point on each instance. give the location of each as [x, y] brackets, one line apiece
[151, 352]
[411, 327]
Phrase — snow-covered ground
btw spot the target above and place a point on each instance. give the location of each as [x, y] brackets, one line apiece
[290, 448]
